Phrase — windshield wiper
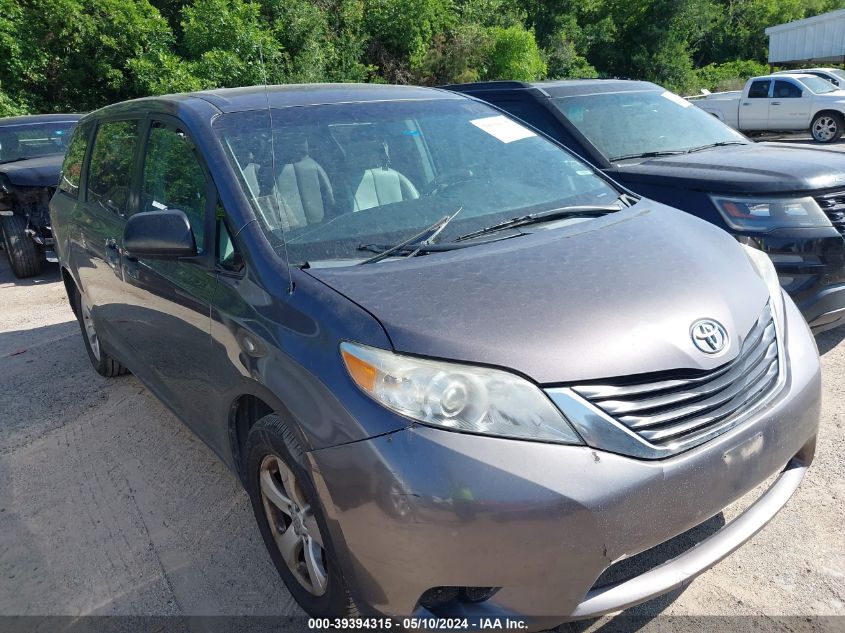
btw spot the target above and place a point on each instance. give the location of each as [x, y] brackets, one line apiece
[711, 145]
[545, 216]
[415, 244]
[673, 152]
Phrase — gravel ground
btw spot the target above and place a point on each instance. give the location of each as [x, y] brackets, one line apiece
[108, 505]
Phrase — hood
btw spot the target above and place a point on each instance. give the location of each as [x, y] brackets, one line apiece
[41, 171]
[605, 298]
[752, 168]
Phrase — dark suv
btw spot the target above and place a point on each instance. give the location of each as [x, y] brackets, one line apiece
[31, 153]
[787, 201]
[420, 333]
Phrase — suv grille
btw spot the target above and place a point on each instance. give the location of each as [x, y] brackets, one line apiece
[682, 409]
[833, 204]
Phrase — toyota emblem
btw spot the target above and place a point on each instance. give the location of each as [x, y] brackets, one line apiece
[709, 336]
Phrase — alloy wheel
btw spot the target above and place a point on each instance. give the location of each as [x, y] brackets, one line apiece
[824, 128]
[90, 331]
[293, 524]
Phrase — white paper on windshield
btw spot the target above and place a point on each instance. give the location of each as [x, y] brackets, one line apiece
[676, 99]
[501, 127]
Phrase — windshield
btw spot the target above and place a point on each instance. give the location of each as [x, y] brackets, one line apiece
[839, 74]
[339, 176]
[28, 140]
[817, 85]
[623, 124]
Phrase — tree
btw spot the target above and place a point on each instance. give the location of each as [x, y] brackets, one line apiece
[514, 55]
[76, 55]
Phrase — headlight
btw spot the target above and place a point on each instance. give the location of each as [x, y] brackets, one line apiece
[457, 397]
[765, 214]
[764, 267]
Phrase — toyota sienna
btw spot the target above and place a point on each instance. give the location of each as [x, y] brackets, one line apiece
[458, 371]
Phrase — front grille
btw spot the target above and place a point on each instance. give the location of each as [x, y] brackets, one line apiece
[676, 410]
[833, 204]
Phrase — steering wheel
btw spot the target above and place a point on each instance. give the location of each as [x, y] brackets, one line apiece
[447, 179]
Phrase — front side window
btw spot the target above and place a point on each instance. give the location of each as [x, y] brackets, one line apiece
[786, 90]
[759, 90]
[174, 178]
[20, 141]
[629, 124]
[72, 166]
[110, 171]
[817, 85]
[331, 179]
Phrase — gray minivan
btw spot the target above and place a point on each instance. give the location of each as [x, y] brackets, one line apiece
[459, 372]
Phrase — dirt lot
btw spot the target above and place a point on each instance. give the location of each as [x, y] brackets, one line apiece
[108, 505]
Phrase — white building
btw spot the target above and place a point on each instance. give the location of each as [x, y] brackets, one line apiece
[809, 41]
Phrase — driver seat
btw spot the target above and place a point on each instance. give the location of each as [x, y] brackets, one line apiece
[302, 187]
[381, 184]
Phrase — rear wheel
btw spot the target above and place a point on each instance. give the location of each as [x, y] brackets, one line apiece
[827, 127]
[102, 363]
[24, 255]
[291, 521]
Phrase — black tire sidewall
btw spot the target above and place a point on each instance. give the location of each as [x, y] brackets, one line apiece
[270, 435]
[24, 256]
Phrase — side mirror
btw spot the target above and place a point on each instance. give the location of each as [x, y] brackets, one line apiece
[165, 234]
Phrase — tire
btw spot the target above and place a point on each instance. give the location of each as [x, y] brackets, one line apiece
[24, 255]
[827, 127]
[274, 456]
[102, 363]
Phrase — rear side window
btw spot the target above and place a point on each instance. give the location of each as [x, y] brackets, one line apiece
[174, 178]
[787, 90]
[72, 166]
[759, 90]
[111, 165]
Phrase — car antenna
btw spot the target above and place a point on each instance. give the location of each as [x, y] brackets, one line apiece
[279, 202]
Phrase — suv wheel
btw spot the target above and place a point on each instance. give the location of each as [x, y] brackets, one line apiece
[103, 364]
[24, 255]
[291, 520]
[827, 127]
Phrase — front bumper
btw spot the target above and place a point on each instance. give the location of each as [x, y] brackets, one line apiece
[811, 266]
[825, 309]
[422, 508]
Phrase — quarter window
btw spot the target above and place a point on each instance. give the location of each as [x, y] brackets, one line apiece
[759, 90]
[174, 178]
[72, 166]
[111, 165]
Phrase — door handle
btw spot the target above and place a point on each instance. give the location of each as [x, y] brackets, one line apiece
[775, 102]
[746, 103]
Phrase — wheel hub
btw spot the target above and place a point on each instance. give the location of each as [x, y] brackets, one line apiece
[293, 525]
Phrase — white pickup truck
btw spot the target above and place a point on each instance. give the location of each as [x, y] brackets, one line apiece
[781, 103]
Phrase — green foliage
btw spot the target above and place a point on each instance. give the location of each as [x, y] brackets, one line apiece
[402, 30]
[514, 54]
[727, 76]
[9, 107]
[76, 55]
[561, 53]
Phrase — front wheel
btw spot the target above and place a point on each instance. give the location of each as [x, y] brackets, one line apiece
[827, 127]
[24, 255]
[291, 521]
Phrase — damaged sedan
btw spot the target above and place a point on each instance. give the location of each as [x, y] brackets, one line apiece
[31, 153]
